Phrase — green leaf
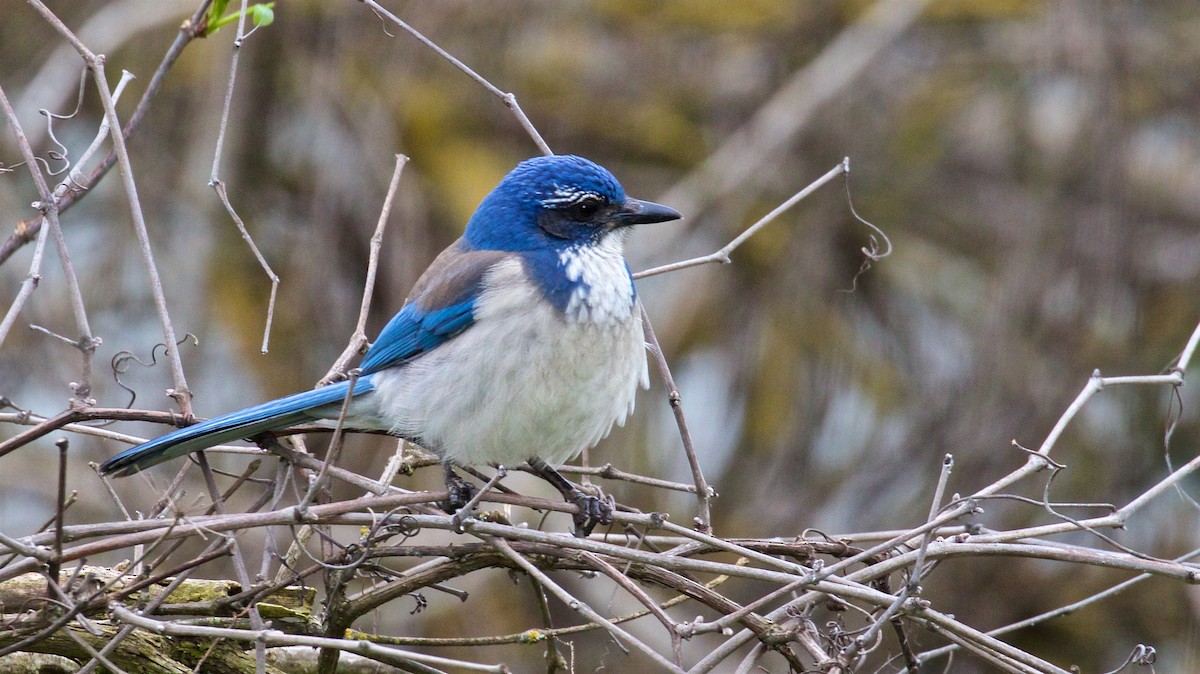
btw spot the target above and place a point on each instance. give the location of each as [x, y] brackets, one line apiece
[213, 16]
[262, 14]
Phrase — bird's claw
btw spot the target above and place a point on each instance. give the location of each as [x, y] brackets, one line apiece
[461, 493]
[593, 510]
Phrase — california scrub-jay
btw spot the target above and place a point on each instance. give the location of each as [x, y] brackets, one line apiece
[521, 342]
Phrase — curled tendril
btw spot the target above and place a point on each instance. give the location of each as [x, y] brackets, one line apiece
[407, 526]
[123, 359]
[384, 22]
[809, 533]
[1141, 656]
[871, 251]
[60, 154]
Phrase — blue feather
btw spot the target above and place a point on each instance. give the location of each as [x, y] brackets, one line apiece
[442, 306]
[268, 416]
[413, 332]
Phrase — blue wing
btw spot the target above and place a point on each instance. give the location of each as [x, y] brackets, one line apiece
[413, 332]
[268, 416]
[442, 306]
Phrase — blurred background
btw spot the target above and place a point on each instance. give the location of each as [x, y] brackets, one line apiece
[1035, 164]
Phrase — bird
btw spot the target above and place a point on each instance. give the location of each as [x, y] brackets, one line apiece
[522, 342]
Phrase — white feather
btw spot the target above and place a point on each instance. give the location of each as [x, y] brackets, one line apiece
[524, 380]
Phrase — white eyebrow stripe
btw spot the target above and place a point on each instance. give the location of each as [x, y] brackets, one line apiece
[568, 196]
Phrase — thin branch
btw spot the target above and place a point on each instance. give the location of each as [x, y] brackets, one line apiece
[914, 579]
[1038, 460]
[704, 493]
[335, 447]
[27, 230]
[1185, 358]
[218, 185]
[180, 392]
[640, 594]
[722, 255]
[49, 204]
[610, 472]
[1067, 609]
[465, 511]
[508, 99]
[358, 341]
[588, 612]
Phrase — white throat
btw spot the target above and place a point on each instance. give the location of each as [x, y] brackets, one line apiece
[604, 292]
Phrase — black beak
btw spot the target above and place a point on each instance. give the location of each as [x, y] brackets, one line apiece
[638, 212]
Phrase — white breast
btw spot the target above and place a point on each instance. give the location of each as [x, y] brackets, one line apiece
[524, 380]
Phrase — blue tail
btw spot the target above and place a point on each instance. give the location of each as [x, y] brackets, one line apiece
[268, 416]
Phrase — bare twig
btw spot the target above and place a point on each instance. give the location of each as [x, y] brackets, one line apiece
[508, 99]
[640, 594]
[181, 393]
[29, 230]
[358, 340]
[610, 472]
[34, 276]
[218, 185]
[465, 511]
[722, 255]
[914, 579]
[619, 634]
[335, 447]
[704, 493]
[1066, 609]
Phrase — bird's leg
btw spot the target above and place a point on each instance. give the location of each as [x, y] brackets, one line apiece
[460, 490]
[593, 509]
[465, 510]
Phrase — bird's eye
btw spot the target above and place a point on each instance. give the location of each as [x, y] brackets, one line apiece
[585, 209]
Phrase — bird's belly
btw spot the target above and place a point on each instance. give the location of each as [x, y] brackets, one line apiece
[520, 384]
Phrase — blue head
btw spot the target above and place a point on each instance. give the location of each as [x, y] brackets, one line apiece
[555, 202]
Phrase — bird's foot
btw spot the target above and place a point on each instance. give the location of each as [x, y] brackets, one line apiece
[461, 492]
[593, 509]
